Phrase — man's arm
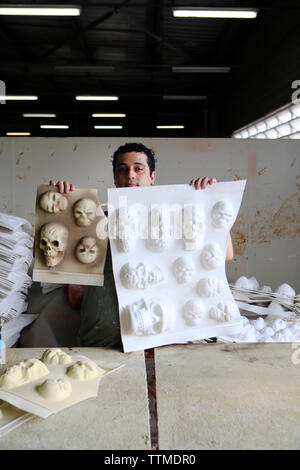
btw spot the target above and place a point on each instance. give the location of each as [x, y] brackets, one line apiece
[201, 183]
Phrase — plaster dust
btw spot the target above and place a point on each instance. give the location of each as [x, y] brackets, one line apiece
[69, 270]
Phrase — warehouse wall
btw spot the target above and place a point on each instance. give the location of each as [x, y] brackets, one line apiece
[266, 232]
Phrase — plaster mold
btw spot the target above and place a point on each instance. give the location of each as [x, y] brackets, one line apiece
[53, 242]
[56, 356]
[284, 292]
[259, 324]
[212, 256]
[148, 317]
[248, 334]
[210, 287]
[53, 202]
[278, 324]
[222, 214]
[84, 212]
[55, 389]
[22, 373]
[193, 226]
[160, 229]
[224, 312]
[125, 229]
[83, 370]
[193, 312]
[140, 276]
[86, 250]
[184, 269]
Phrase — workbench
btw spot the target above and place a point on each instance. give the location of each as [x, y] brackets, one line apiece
[208, 396]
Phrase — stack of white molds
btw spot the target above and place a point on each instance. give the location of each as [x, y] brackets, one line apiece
[268, 316]
[16, 258]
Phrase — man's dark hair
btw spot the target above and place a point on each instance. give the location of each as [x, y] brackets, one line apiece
[135, 147]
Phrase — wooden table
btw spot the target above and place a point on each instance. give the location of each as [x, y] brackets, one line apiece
[228, 396]
[117, 418]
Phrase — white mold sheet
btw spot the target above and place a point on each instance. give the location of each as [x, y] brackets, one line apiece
[170, 280]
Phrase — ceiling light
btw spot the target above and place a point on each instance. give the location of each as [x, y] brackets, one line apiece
[17, 133]
[108, 115]
[40, 10]
[196, 69]
[214, 13]
[17, 97]
[84, 68]
[96, 98]
[108, 127]
[53, 126]
[183, 98]
[28, 115]
[169, 127]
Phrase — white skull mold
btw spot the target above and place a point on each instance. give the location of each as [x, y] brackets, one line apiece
[140, 276]
[124, 226]
[53, 242]
[53, 202]
[86, 250]
[210, 287]
[212, 256]
[193, 311]
[160, 229]
[183, 269]
[84, 212]
[147, 317]
[193, 226]
[221, 214]
[224, 311]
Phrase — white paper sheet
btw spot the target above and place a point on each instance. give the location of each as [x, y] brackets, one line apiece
[156, 311]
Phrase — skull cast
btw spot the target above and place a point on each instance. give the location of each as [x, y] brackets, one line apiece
[147, 317]
[84, 212]
[221, 214]
[183, 269]
[210, 287]
[140, 276]
[224, 311]
[160, 229]
[212, 256]
[53, 202]
[193, 311]
[86, 250]
[124, 227]
[53, 242]
[193, 226]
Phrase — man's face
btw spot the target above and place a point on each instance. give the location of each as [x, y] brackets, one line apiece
[132, 170]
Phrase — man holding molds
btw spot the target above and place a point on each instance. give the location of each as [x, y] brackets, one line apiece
[133, 165]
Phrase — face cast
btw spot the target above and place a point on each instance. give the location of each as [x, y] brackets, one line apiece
[84, 212]
[132, 170]
[212, 256]
[87, 250]
[183, 269]
[53, 242]
[53, 202]
[221, 214]
[193, 312]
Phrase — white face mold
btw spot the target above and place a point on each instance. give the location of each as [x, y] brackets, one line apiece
[140, 276]
[193, 311]
[84, 212]
[55, 389]
[83, 370]
[53, 202]
[183, 269]
[86, 250]
[212, 256]
[56, 356]
[210, 287]
[193, 226]
[221, 214]
[160, 229]
[53, 242]
[125, 229]
[23, 373]
[147, 317]
[224, 311]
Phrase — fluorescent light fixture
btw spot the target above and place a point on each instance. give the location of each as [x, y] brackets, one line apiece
[84, 68]
[240, 13]
[183, 98]
[96, 115]
[96, 98]
[35, 115]
[196, 69]
[169, 127]
[40, 10]
[17, 97]
[18, 133]
[108, 127]
[53, 126]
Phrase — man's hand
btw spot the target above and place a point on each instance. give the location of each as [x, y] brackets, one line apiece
[201, 183]
[63, 186]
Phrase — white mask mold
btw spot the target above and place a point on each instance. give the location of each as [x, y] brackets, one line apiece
[224, 311]
[193, 311]
[193, 226]
[210, 287]
[221, 214]
[160, 229]
[183, 269]
[212, 256]
[140, 276]
[147, 317]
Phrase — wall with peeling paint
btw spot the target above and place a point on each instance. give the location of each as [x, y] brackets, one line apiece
[267, 230]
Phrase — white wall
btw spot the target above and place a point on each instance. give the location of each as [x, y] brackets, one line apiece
[266, 232]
